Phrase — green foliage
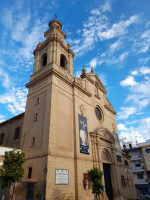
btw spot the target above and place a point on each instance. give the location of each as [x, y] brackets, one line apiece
[95, 177]
[12, 170]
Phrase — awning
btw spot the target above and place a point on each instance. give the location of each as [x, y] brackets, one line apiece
[30, 180]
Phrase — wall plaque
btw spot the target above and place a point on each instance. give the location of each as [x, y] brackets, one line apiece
[61, 176]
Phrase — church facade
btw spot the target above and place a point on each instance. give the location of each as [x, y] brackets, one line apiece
[68, 127]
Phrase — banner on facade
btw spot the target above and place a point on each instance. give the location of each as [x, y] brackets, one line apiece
[83, 135]
[117, 145]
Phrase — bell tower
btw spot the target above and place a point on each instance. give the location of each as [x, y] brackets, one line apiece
[49, 109]
[54, 50]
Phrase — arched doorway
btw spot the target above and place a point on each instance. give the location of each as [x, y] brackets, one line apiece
[106, 159]
[102, 142]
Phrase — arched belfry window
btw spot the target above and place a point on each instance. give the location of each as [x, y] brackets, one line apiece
[63, 61]
[44, 59]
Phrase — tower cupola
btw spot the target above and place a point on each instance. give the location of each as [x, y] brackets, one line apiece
[55, 24]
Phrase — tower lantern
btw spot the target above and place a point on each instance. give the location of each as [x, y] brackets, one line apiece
[54, 52]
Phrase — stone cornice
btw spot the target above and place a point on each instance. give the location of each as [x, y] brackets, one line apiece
[81, 89]
[52, 71]
[96, 136]
[101, 85]
[48, 31]
[54, 38]
[87, 77]
[110, 109]
[45, 74]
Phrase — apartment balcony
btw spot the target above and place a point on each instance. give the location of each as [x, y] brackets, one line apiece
[138, 169]
[140, 181]
[135, 158]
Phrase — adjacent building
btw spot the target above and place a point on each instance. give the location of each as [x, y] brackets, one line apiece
[68, 127]
[140, 163]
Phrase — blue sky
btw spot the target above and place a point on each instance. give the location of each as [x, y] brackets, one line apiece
[112, 36]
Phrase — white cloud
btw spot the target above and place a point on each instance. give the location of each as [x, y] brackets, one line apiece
[19, 28]
[106, 6]
[129, 81]
[103, 79]
[4, 78]
[143, 43]
[122, 56]
[139, 133]
[144, 60]
[143, 88]
[78, 73]
[134, 73]
[73, 41]
[15, 99]
[31, 40]
[95, 12]
[139, 95]
[93, 62]
[96, 29]
[132, 135]
[121, 127]
[144, 49]
[118, 29]
[125, 112]
[115, 45]
[2, 118]
[144, 70]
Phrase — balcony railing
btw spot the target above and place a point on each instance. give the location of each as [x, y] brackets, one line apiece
[135, 170]
[135, 158]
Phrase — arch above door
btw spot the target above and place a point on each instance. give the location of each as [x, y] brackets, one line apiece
[102, 133]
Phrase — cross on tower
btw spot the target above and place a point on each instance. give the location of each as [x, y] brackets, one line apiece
[55, 16]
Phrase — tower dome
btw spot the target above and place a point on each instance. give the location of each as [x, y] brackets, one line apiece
[55, 24]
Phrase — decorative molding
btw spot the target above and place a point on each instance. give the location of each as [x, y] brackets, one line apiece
[97, 97]
[82, 109]
[51, 39]
[110, 109]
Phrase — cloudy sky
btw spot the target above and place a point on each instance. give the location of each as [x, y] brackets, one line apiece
[113, 36]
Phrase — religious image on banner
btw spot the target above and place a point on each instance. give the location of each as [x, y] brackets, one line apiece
[117, 145]
[83, 135]
[129, 178]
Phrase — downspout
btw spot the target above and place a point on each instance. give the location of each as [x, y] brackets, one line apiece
[75, 147]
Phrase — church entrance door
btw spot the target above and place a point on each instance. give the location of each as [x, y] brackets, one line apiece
[107, 178]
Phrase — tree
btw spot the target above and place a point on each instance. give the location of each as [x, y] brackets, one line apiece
[95, 177]
[12, 169]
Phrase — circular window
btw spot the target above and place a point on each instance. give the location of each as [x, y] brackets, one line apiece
[98, 113]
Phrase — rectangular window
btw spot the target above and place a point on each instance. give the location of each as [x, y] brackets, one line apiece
[17, 133]
[30, 172]
[37, 100]
[124, 146]
[137, 165]
[33, 140]
[140, 176]
[1, 138]
[35, 117]
[130, 145]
